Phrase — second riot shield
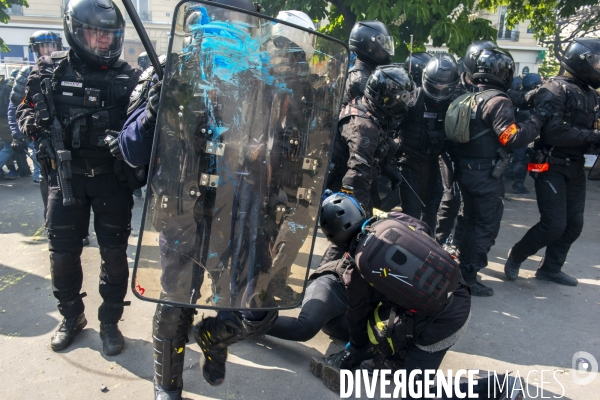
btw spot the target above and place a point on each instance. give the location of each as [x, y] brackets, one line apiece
[242, 145]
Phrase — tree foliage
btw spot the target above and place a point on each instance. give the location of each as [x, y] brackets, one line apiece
[4, 17]
[451, 22]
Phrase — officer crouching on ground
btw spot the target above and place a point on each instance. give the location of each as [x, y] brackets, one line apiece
[407, 303]
[78, 95]
[557, 165]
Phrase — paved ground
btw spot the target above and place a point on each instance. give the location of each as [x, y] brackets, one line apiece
[528, 326]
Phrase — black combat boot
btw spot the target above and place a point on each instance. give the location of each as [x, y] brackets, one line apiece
[511, 268]
[69, 328]
[479, 289]
[558, 277]
[213, 335]
[112, 338]
[328, 368]
[519, 188]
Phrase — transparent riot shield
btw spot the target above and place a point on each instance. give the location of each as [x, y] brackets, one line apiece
[248, 111]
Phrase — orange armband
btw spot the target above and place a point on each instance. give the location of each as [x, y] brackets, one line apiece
[507, 134]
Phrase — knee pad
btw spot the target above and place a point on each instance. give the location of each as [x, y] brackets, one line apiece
[114, 258]
[172, 322]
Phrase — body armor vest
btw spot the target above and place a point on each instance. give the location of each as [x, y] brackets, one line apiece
[581, 111]
[484, 146]
[422, 136]
[88, 102]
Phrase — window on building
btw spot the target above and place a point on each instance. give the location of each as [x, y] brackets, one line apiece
[504, 33]
[143, 9]
[15, 10]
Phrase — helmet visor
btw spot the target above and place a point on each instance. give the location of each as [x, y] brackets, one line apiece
[45, 49]
[387, 43]
[101, 42]
[594, 60]
[438, 91]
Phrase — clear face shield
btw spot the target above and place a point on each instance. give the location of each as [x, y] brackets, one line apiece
[104, 43]
[46, 48]
[386, 42]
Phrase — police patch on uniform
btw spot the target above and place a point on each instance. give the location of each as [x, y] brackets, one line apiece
[547, 96]
[507, 112]
[427, 114]
[364, 142]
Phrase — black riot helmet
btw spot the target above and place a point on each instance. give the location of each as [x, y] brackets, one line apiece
[417, 65]
[95, 30]
[517, 84]
[582, 60]
[143, 60]
[341, 218]
[495, 67]
[531, 81]
[391, 91]
[440, 77]
[473, 51]
[44, 43]
[372, 42]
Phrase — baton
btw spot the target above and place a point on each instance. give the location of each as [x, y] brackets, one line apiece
[411, 188]
[409, 56]
[139, 27]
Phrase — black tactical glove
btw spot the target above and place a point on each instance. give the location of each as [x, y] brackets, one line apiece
[42, 115]
[19, 143]
[113, 145]
[152, 105]
[543, 112]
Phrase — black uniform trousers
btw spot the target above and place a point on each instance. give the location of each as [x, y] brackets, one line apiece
[422, 178]
[561, 202]
[449, 209]
[483, 198]
[68, 225]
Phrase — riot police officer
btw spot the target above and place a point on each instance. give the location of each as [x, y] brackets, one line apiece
[373, 45]
[421, 135]
[362, 141]
[289, 113]
[415, 63]
[78, 95]
[451, 203]
[492, 129]
[41, 43]
[143, 61]
[558, 162]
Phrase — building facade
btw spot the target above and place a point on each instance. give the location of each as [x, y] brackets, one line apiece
[47, 15]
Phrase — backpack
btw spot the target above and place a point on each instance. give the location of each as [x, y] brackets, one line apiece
[400, 259]
[458, 116]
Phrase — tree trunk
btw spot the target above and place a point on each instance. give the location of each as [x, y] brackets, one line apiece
[349, 16]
